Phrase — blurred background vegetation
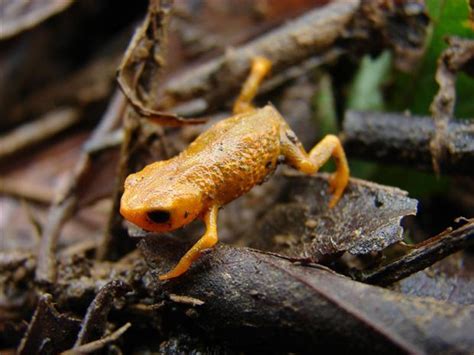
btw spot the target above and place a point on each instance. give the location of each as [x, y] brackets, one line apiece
[378, 86]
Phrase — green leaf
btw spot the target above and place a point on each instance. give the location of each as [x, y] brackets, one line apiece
[366, 89]
[416, 91]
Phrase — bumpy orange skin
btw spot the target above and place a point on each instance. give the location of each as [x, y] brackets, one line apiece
[220, 165]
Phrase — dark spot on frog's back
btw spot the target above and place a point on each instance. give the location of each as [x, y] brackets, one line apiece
[186, 214]
[158, 216]
[377, 202]
[291, 136]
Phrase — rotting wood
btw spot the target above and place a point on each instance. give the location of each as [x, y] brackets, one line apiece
[254, 299]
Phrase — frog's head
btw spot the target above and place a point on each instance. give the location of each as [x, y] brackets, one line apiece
[159, 202]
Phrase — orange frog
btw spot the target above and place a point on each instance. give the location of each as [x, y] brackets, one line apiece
[223, 163]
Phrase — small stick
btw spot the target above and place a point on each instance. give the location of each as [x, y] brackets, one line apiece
[423, 254]
[398, 138]
[26, 190]
[98, 344]
[94, 323]
[37, 131]
[454, 59]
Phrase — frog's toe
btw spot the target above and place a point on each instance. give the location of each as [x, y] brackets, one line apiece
[336, 196]
[333, 183]
[169, 275]
[177, 271]
[336, 189]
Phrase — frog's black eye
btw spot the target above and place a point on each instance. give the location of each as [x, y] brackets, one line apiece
[159, 216]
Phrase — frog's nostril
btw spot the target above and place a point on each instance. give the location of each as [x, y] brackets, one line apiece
[159, 216]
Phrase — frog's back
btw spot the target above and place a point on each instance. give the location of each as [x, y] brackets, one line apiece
[234, 155]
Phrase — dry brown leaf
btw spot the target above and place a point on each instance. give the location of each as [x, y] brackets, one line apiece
[49, 331]
[366, 219]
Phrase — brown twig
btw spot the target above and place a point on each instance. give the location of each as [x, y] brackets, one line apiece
[17, 17]
[67, 201]
[143, 60]
[26, 190]
[80, 248]
[421, 256]
[113, 229]
[59, 213]
[41, 129]
[98, 344]
[397, 138]
[185, 300]
[94, 323]
[454, 59]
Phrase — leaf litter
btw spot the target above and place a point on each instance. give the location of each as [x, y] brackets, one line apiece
[275, 294]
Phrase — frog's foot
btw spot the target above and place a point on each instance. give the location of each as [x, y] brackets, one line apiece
[310, 163]
[193, 254]
[260, 68]
[208, 240]
[183, 266]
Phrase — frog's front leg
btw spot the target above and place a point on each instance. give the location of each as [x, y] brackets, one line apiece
[208, 240]
[296, 156]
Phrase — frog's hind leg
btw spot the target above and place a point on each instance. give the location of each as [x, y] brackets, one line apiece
[296, 156]
[208, 240]
[260, 67]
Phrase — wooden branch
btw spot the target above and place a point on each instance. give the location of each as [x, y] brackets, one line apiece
[309, 35]
[422, 255]
[397, 138]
